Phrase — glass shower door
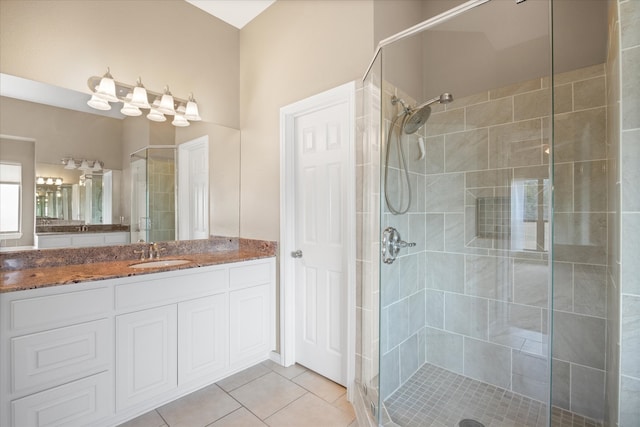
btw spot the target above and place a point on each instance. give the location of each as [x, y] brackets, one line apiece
[464, 268]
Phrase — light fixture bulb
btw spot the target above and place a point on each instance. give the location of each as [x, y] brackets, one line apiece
[156, 116]
[191, 112]
[139, 98]
[40, 180]
[180, 121]
[130, 110]
[107, 88]
[98, 103]
[70, 164]
[49, 181]
[97, 167]
[166, 103]
[58, 181]
[84, 166]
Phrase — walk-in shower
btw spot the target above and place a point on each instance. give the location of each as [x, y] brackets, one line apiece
[487, 222]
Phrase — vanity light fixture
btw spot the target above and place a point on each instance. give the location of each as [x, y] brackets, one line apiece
[105, 90]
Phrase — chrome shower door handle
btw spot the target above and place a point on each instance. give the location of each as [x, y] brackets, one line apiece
[391, 244]
[296, 254]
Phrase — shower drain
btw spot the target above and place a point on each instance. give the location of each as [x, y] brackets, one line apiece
[470, 423]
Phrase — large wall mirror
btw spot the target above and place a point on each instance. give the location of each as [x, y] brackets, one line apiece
[56, 127]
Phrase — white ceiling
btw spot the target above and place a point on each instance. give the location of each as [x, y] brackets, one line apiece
[235, 12]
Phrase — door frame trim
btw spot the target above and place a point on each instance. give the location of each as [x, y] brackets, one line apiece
[288, 114]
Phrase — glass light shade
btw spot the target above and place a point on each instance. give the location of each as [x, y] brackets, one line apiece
[97, 167]
[130, 110]
[58, 181]
[156, 116]
[49, 181]
[191, 112]
[40, 180]
[180, 121]
[139, 98]
[71, 164]
[166, 105]
[107, 88]
[84, 166]
[98, 103]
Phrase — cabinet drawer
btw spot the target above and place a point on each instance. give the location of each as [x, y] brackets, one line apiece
[250, 275]
[167, 290]
[79, 403]
[61, 309]
[116, 238]
[60, 355]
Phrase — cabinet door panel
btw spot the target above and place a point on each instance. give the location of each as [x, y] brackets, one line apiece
[250, 317]
[146, 354]
[202, 337]
[79, 403]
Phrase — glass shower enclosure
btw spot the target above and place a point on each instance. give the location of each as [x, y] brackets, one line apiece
[153, 194]
[456, 230]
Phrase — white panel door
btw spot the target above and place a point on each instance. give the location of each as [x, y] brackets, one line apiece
[146, 354]
[193, 189]
[321, 156]
[203, 328]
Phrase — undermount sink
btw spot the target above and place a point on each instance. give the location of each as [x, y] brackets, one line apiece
[160, 263]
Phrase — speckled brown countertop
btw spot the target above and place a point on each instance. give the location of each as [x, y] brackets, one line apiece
[44, 268]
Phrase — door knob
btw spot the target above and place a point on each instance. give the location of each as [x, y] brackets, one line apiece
[296, 254]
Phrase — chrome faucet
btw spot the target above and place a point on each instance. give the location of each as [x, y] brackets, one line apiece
[154, 250]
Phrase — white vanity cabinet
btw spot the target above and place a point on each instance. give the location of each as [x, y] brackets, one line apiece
[100, 353]
[76, 240]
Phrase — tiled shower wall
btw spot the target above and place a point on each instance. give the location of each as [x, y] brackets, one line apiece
[477, 306]
[623, 297]
[161, 176]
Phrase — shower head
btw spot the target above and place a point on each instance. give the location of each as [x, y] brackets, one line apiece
[416, 118]
[419, 115]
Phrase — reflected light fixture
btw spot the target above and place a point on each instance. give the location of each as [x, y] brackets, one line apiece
[49, 180]
[134, 97]
[70, 163]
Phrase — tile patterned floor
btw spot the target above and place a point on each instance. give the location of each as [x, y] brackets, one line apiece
[437, 397]
[264, 395]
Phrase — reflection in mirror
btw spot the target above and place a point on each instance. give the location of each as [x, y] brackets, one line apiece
[97, 200]
[153, 194]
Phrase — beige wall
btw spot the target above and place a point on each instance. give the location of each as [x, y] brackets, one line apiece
[63, 133]
[295, 49]
[165, 42]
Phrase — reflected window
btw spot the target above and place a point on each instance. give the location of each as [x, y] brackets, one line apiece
[530, 215]
[10, 200]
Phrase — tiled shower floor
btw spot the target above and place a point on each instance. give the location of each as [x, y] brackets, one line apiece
[436, 397]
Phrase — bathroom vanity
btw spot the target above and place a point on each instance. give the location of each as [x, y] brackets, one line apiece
[101, 352]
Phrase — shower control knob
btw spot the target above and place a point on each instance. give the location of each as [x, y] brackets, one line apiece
[391, 244]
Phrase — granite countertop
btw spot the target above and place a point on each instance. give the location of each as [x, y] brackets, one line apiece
[54, 274]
